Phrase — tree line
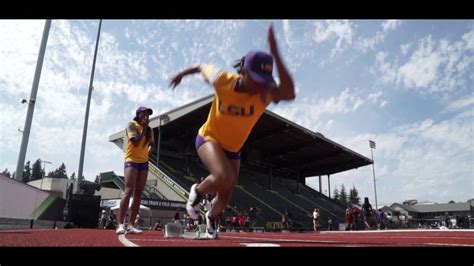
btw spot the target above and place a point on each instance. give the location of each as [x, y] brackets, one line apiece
[341, 196]
[36, 172]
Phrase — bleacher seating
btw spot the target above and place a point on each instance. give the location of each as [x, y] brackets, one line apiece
[253, 191]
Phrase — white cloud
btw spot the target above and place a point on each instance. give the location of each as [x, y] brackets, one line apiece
[344, 103]
[287, 34]
[366, 44]
[434, 66]
[12, 118]
[376, 98]
[341, 30]
[469, 39]
[404, 48]
[390, 24]
[347, 101]
[18, 52]
[423, 160]
[421, 69]
[386, 71]
[462, 103]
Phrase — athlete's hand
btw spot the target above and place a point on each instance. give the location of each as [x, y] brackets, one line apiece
[145, 122]
[272, 41]
[175, 80]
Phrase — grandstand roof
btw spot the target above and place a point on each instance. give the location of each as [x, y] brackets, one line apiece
[274, 141]
[444, 207]
[429, 208]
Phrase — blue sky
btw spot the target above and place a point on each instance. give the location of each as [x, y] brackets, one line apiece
[407, 85]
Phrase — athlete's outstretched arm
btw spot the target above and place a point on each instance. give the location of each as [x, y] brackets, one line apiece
[176, 79]
[286, 88]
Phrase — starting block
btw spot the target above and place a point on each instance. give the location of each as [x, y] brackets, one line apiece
[176, 230]
[173, 230]
[200, 234]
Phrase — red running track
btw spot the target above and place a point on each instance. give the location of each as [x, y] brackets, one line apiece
[108, 238]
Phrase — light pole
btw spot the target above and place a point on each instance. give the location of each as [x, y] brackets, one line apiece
[31, 103]
[372, 146]
[44, 172]
[86, 119]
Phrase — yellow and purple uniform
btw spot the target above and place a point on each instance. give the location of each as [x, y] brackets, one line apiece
[135, 155]
[233, 114]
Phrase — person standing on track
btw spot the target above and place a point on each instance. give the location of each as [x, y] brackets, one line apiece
[316, 216]
[367, 212]
[140, 143]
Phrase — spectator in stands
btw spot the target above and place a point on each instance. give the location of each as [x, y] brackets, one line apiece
[139, 222]
[176, 216]
[330, 224]
[103, 219]
[316, 219]
[380, 219]
[355, 218]
[349, 217]
[139, 145]
[234, 221]
[157, 226]
[248, 222]
[367, 212]
[240, 99]
[389, 219]
[447, 220]
[207, 202]
[228, 222]
[285, 221]
[188, 222]
[242, 221]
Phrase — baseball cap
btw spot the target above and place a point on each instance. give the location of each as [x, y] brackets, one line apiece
[259, 65]
[143, 109]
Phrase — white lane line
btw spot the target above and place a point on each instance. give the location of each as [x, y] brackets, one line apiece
[260, 245]
[346, 242]
[400, 231]
[126, 242]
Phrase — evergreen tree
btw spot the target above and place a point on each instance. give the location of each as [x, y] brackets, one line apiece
[336, 195]
[27, 173]
[73, 176]
[60, 172]
[354, 196]
[6, 173]
[343, 195]
[37, 172]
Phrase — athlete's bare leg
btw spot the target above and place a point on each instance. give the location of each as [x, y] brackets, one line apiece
[137, 195]
[223, 177]
[130, 182]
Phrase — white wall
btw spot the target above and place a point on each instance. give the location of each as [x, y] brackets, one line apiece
[19, 200]
[109, 193]
[55, 184]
